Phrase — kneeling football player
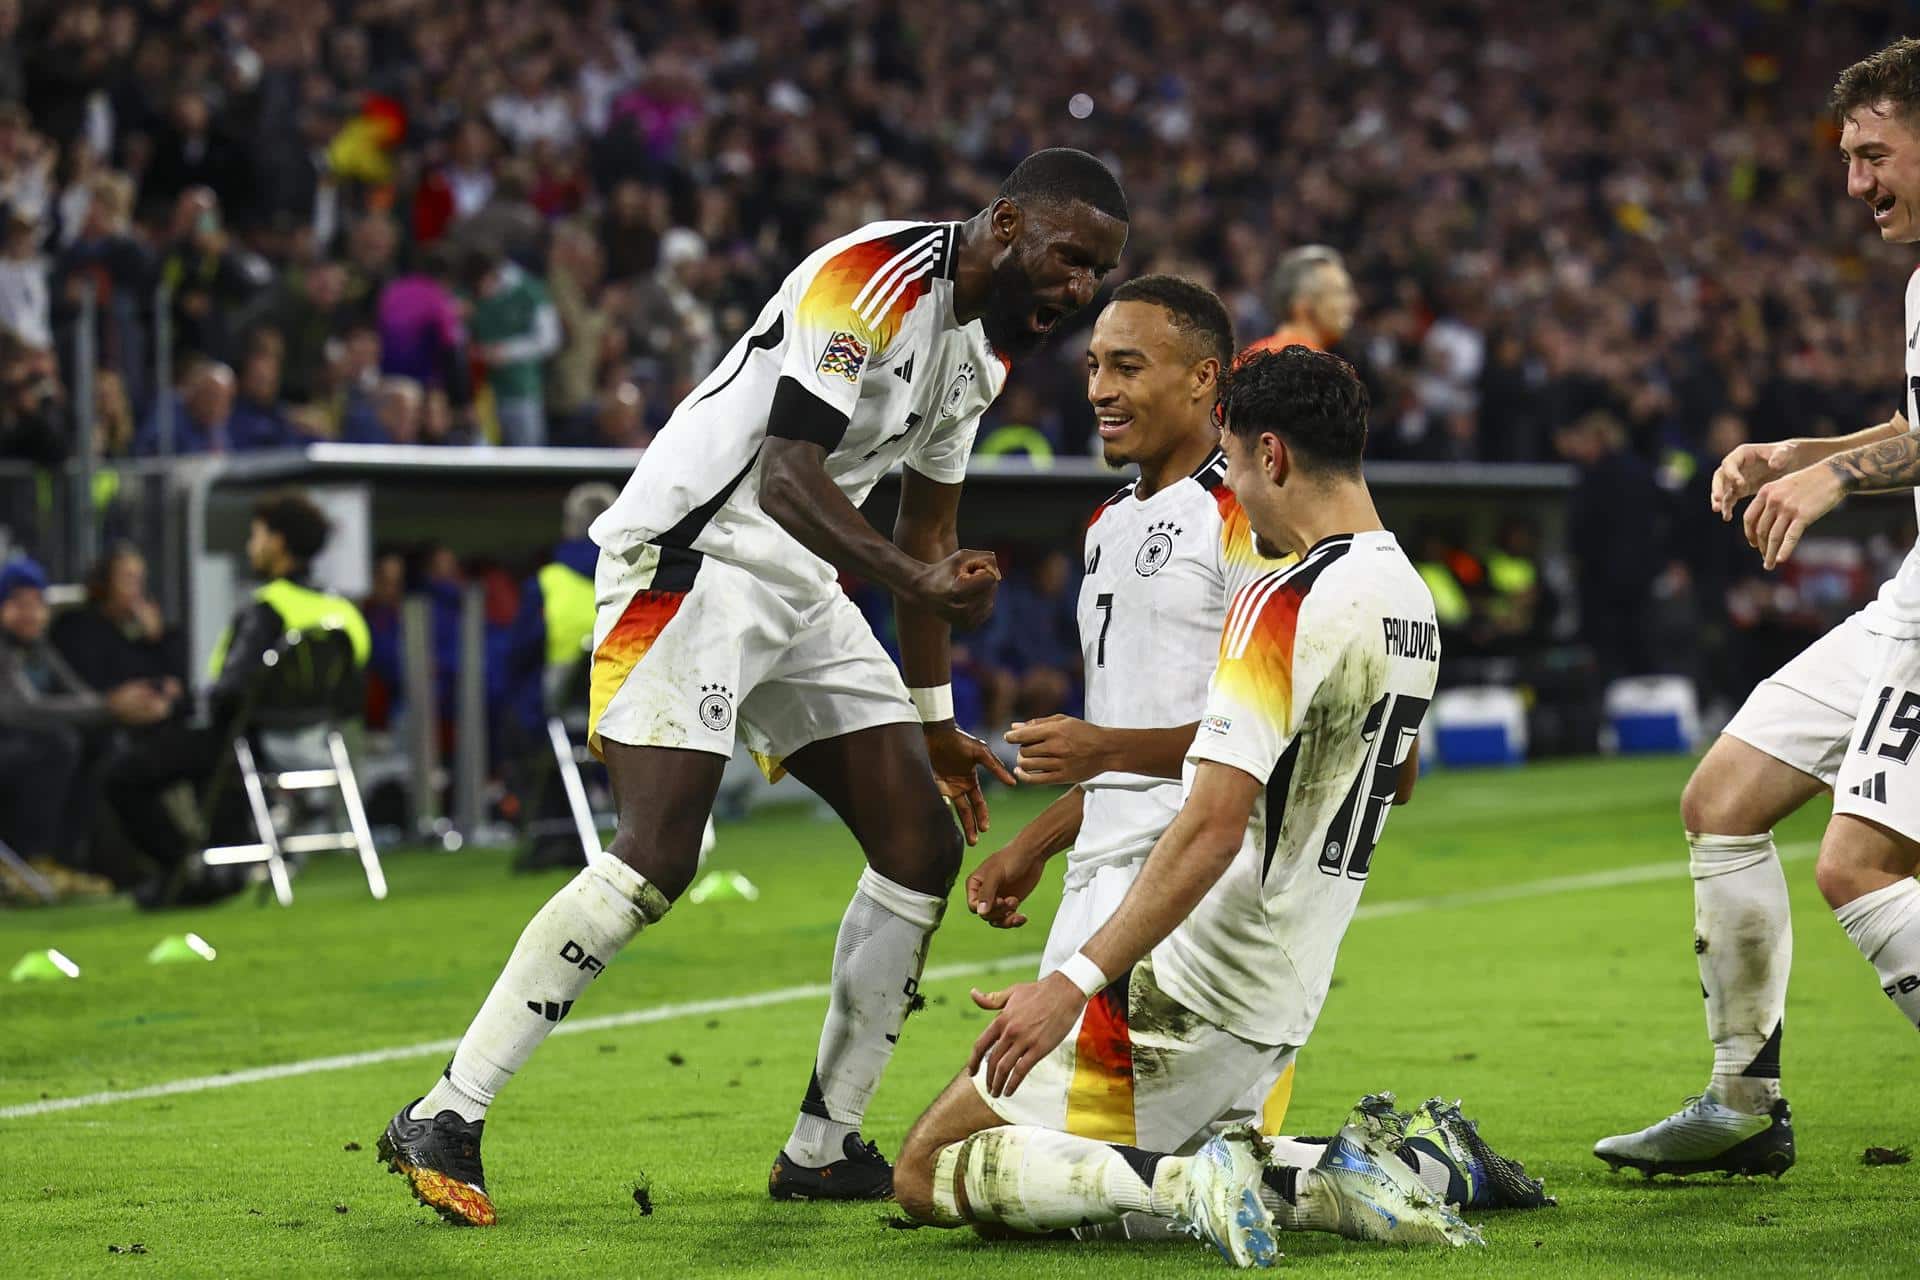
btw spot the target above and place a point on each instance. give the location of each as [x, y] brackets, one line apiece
[1179, 1004]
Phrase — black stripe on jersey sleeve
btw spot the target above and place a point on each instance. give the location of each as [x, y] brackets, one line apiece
[798, 414]
[766, 340]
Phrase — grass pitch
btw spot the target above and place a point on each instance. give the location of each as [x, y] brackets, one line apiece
[1525, 943]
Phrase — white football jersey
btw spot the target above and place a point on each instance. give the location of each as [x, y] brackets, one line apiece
[866, 326]
[1159, 573]
[1897, 609]
[1326, 669]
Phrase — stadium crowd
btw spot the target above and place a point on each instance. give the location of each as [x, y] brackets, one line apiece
[389, 221]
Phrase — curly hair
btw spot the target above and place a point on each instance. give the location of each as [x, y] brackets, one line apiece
[302, 525]
[1313, 401]
[1891, 75]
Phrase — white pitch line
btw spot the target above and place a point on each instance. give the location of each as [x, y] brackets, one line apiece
[813, 991]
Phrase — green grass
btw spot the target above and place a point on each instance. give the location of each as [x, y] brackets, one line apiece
[1558, 1017]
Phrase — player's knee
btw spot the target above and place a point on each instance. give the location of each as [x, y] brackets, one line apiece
[1842, 878]
[666, 854]
[1716, 805]
[913, 1179]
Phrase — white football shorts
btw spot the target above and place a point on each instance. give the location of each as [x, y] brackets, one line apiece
[689, 651]
[1847, 711]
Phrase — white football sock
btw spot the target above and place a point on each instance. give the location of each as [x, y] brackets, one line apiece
[1743, 936]
[876, 979]
[563, 948]
[1885, 925]
[1035, 1179]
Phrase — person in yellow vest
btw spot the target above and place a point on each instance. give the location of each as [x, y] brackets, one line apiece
[287, 532]
[552, 638]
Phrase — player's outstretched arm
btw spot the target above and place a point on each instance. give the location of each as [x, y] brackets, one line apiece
[1005, 877]
[1062, 749]
[1189, 858]
[1784, 509]
[1742, 472]
[797, 492]
[927, 529]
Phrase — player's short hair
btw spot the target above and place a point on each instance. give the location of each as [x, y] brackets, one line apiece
[1891, 75]
[1296, 267]
[1195, 310]
[1311, 399]
[1063, 175]
[300, 524]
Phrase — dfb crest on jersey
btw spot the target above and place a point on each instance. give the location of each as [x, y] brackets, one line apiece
[956, 391]
[1157, 550]
[716, 707]
[845, 355]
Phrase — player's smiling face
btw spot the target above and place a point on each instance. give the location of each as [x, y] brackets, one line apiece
[1147, 390]
[1054, 262]
[1882, 151]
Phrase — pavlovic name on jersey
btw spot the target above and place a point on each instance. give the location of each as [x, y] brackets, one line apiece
[865, 325]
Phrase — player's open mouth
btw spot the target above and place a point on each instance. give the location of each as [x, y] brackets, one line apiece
[1044, 318]
[1110, 426]
[1883, 210]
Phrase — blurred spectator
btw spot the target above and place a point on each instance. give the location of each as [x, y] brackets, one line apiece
[260, 418]
[1614, 535]
[188, 152]
[310, 310]
[373, 251]
[353, 375]
[53, 725]
[422, 335]
[673, 323]
[621, 420]
[514, 328]
[119, 634]
[211, 281]
[385, 686]
[586, 314]
[201, 411]
[1314, 298]
[1028, 655]
[394, 414]
[105, 258]
[24, 310]
[458, 189]
[33, 420]
[630, 231]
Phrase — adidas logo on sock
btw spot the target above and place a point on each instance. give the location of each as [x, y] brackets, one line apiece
[549, 1010]
[1874, 788]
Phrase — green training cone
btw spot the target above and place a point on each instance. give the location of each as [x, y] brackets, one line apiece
[180, 948]
[43, 966]
[716, 886]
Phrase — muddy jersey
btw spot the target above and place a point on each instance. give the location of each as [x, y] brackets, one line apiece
[1326, 669]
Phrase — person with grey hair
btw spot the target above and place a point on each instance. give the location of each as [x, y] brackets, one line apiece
[1312, 297]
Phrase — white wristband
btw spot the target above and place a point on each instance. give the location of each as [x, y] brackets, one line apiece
[1084, 974]
[934, 704]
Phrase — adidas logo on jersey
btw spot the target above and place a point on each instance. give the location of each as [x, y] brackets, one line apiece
[1874, 788]
[904, 372]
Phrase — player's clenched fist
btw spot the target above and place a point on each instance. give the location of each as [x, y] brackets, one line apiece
[1058, 750]
[1783, 509]
[1742, 472]
[960, 589]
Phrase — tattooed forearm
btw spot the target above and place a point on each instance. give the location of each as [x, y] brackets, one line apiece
[1876, 468]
